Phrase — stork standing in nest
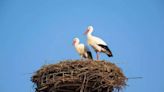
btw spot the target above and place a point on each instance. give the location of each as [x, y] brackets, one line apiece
[97, 44]
[83, 51]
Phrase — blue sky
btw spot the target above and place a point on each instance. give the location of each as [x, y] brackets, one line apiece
[38, 32]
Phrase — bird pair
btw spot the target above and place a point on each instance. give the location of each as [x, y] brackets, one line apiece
[96, 43]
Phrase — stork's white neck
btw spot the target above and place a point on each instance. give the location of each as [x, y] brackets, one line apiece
[89, 33]
[76, 44]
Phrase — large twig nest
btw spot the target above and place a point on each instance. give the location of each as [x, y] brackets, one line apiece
[79, 76]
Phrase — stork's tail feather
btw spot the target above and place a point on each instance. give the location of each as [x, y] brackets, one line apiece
[89, 55]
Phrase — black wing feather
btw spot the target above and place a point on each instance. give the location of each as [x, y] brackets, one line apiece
[89, 55]
[108, 51]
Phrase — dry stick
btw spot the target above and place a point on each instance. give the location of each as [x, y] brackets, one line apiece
[134, 77]
[82, 87]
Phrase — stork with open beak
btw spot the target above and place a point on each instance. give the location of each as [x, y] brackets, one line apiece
[83, 51]
[96, 43]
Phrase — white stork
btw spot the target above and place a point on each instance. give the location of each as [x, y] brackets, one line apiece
[96, 43]
[82, 49]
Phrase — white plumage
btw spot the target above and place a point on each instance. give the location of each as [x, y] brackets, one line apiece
[98, 44]
[82, 49]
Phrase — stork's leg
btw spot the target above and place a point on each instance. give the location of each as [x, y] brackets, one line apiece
[81, 57]
[97, 53]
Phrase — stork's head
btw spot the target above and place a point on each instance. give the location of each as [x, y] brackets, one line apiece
[89, 30]
[75, 41]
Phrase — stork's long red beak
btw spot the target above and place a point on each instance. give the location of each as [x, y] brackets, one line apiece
[73, 42]
[86, 32]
